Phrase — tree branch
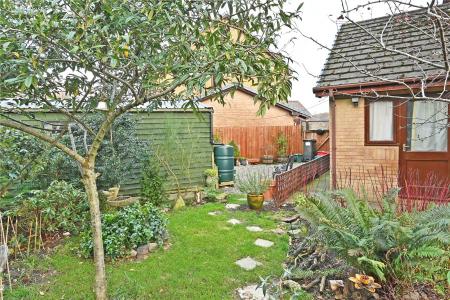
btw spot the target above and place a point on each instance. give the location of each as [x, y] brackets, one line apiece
[43, 137]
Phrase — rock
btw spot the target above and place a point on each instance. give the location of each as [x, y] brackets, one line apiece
[290, 219]
[133, 253]
[179, 203]
[167, 246]
[142, 250]
[248, 263]
[292, 285]
[221, 196]
[214, 213]
[232, 206]
[278, 231]
[263, 243]
[294, 232]
[66, 234]
[251, 292]
[254, 228]
[152, 247]
[234, 221]
[336, 284]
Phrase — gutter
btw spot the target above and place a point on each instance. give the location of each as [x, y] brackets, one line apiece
[368, 87]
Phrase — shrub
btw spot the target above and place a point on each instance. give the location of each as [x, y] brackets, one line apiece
[253, 183]
[126, 229]
[62, 207]
[120, 152]
[237, 152]
[152, 184]
[408, 247]
[282, 145]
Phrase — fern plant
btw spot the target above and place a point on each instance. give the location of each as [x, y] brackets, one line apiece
[411, 247]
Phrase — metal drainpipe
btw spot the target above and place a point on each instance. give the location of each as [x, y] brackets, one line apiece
[211, 128]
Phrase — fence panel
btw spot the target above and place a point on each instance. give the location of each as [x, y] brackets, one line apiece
[254, 142]
[294, 180]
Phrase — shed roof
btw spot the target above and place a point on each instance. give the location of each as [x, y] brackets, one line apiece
[355, 49]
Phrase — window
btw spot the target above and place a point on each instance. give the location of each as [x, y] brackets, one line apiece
[380, 122]
[427, 126]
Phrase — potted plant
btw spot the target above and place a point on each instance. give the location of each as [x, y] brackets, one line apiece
[254, 185]
[237, 152]
[243, 161]
[212, 177]
[267, 158]
[282, 145]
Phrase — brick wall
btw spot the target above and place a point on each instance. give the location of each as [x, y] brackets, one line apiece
[356, 164]
[240, 111]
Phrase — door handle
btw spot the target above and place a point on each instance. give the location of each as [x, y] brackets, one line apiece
[405, 147]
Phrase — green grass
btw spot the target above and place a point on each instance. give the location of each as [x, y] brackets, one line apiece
[199, 264]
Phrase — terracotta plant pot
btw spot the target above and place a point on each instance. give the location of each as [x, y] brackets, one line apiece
[255, 201]
[268, 195]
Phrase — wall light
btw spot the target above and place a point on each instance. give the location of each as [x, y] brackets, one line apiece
[355, 101]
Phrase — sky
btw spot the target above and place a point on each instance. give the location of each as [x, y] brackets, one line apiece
[318, 20]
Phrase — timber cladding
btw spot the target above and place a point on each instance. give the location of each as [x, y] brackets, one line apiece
[254, 142]
[190, 132]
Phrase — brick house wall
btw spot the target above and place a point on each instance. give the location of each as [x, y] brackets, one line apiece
[241, 111]
[358, 165]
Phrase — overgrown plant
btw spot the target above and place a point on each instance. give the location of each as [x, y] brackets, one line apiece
[236, 150]
[61, 207]
[176, 154]
[126, 229]
[282, 145]
[152, 183]
[401, 247]
[253, 183]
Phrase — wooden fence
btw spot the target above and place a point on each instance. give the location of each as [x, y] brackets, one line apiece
[292, 181]
[254, 142]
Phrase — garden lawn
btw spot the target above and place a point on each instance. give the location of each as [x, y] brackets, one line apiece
[200, 263]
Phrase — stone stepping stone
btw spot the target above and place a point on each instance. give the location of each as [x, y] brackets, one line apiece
[214, 213]
[248, 263]
[254, 228]
[252, 292]
[234, 221]
[278, 231]
[232, 206]
[263, 243]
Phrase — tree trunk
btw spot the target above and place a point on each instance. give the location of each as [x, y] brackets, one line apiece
[89, 181]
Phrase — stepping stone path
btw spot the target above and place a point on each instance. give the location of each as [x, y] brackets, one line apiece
[234, 221]
[248, 263]
[252, 292]
[263, 243]
[214, 213]
[232, 206]
[254, 228]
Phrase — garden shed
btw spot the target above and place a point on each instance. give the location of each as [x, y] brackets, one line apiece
[186, 129]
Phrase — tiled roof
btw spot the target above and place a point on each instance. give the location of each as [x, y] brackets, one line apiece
[293, 107]
[355, 50]
[296, 107]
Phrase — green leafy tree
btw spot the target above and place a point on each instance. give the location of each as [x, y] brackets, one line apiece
[67, 56]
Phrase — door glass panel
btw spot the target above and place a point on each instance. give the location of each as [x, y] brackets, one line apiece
[427, 126]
